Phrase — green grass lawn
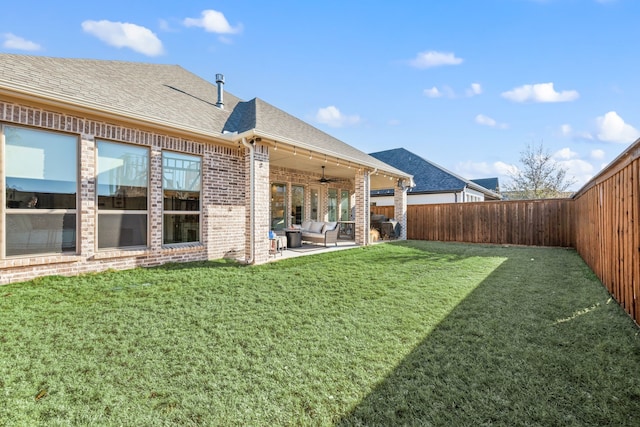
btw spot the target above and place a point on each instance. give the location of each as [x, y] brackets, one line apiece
[409, 333]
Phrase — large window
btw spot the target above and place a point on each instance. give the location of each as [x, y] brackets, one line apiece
[181, 184]
[315, 204]
[332, 204]
[123, 175]
[297, 204]
[278, 206]
[40, 191]
[345, 213]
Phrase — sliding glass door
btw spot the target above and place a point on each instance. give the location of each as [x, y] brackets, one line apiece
[278, 206]
[315, 204]
[297, 204]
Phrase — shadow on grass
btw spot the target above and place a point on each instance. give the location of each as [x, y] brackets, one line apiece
[538, 342]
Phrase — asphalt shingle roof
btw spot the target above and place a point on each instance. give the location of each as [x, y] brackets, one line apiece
[164, 94]
[488, 183]
[428, 176]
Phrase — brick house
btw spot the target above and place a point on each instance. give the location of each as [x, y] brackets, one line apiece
[108, 164]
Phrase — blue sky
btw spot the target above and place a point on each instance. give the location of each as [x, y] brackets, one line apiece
[464, 83]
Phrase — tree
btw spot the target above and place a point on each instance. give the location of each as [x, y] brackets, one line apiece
[540, 177]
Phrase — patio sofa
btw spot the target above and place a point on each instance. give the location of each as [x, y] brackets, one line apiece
[319, 232]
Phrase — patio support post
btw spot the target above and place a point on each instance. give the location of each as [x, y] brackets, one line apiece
[362, 190]
[261, 203]
[400, 206]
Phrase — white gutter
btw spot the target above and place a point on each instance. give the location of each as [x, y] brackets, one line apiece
[252, 190]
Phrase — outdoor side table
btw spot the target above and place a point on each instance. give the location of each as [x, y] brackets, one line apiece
[294, 238]
[275, 247]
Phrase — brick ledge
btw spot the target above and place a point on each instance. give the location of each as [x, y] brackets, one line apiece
[39, 260]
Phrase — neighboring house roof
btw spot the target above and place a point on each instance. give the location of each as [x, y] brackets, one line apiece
[488, 183]
[428, 176]
[166, 95]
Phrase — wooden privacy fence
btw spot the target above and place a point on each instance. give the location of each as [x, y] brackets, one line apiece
[602, 221]
[608, 221]
[530, 222]
[521, 222]
[387, 211]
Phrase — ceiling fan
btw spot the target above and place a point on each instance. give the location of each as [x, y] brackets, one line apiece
[324, 180]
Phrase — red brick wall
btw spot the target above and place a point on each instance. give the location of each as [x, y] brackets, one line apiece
[223, 216]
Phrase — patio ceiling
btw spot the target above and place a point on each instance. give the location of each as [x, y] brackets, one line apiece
[311, 162]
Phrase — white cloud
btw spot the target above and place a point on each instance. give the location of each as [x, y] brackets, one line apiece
[331, 116]
[471, 168]
[540, 92]
[481, 119]
[124, 34]
[597, 154]
[434, 92]
[213, 21]
[475, 89]
[577, 169]
[503, 168]
[566, 130]
[447, 92]
[612, 128]
[565, 154]
[11, 41]
[434, 59]
[484, 169]
[443, 92]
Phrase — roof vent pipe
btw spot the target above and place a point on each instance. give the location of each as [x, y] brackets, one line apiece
[220, 83]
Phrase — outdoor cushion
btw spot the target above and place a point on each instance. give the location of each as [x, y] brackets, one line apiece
[328, 226]
[316, 227]
[306, 224]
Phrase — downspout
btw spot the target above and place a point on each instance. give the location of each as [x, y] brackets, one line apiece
[252, 190]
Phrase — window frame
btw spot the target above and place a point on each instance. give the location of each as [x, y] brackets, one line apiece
[301, 204]
[113, 212]
[333, 212]
[314, 192]
[185, 212]
[345, 215]
[4, 210]
[285, 203]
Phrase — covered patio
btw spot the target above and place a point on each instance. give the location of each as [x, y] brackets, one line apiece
[296, 173]
[312, 185]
